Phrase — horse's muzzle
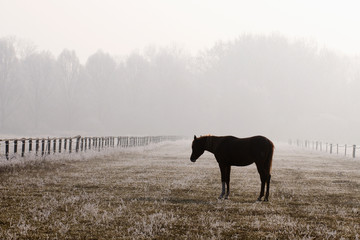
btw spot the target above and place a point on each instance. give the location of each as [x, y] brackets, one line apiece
[192, 159]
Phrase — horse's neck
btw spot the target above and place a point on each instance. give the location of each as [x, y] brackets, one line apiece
[210, 144]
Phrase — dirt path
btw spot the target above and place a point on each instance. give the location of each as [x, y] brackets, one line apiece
[157, 193]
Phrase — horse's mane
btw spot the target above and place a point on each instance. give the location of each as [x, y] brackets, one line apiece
[208, 135]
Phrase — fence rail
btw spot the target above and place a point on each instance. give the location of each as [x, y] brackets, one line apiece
[47, 146]
[346, 149]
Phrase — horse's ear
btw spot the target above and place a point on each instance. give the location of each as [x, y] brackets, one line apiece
[194, 137]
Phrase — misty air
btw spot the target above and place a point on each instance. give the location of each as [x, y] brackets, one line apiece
[123, 120]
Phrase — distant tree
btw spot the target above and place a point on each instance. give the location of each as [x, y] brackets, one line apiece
[101, 69]
[38, 73]
[137, 78]
[69, 75]
[271, 82]
[133, 81]
[9, 94]
[170, 84]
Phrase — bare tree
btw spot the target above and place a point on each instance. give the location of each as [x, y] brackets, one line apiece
[38, 73]
[101, 69]
[8, 83]
[69, 76]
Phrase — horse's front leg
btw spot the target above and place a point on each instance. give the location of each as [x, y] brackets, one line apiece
[228, 190]
[223, 190]
[225, 179]
[222, 171]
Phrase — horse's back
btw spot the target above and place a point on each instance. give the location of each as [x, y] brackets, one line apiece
[243, 151]
[246, 143]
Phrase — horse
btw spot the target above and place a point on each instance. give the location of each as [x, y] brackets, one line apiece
[232, 151]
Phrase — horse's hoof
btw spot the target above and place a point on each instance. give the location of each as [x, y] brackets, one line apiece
[226, 197]
[266, 200]
[259, 199]
[220, 197]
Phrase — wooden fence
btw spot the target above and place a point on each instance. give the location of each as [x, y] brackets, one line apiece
[332, 148]
[47, 146]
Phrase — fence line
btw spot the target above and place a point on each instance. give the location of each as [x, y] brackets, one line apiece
[47, 146]
[332, 148]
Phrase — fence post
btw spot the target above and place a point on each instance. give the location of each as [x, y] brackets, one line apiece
[7, 149]
[37, 146]
[54, 145]
[77, 144]
[354, 150]
[65, 143]
[70, 144]
[60, 145]
[15, 146]
[345, 149]
[30, 145]
[49, 145]
[42, 147]
[23, 148]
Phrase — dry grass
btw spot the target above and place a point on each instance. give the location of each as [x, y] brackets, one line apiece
[157, 193]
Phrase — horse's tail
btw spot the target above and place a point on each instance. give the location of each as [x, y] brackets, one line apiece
[270, 155]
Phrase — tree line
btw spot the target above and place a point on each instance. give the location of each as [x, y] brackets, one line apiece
[264, 84]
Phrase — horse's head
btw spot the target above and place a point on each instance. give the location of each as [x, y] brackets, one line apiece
[197, 149]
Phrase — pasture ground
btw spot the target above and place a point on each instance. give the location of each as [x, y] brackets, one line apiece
[157, 193]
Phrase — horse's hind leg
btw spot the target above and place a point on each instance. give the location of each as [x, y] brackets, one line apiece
[267, 188]
[227, 180]
[263, 178]
[262, 188]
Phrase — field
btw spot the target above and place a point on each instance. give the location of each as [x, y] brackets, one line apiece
[157, 193]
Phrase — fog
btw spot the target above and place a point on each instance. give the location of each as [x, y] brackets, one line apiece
[253, 84]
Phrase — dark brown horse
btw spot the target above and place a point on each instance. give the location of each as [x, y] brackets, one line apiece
[231, 151]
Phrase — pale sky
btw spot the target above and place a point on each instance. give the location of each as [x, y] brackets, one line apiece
[120, 27]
